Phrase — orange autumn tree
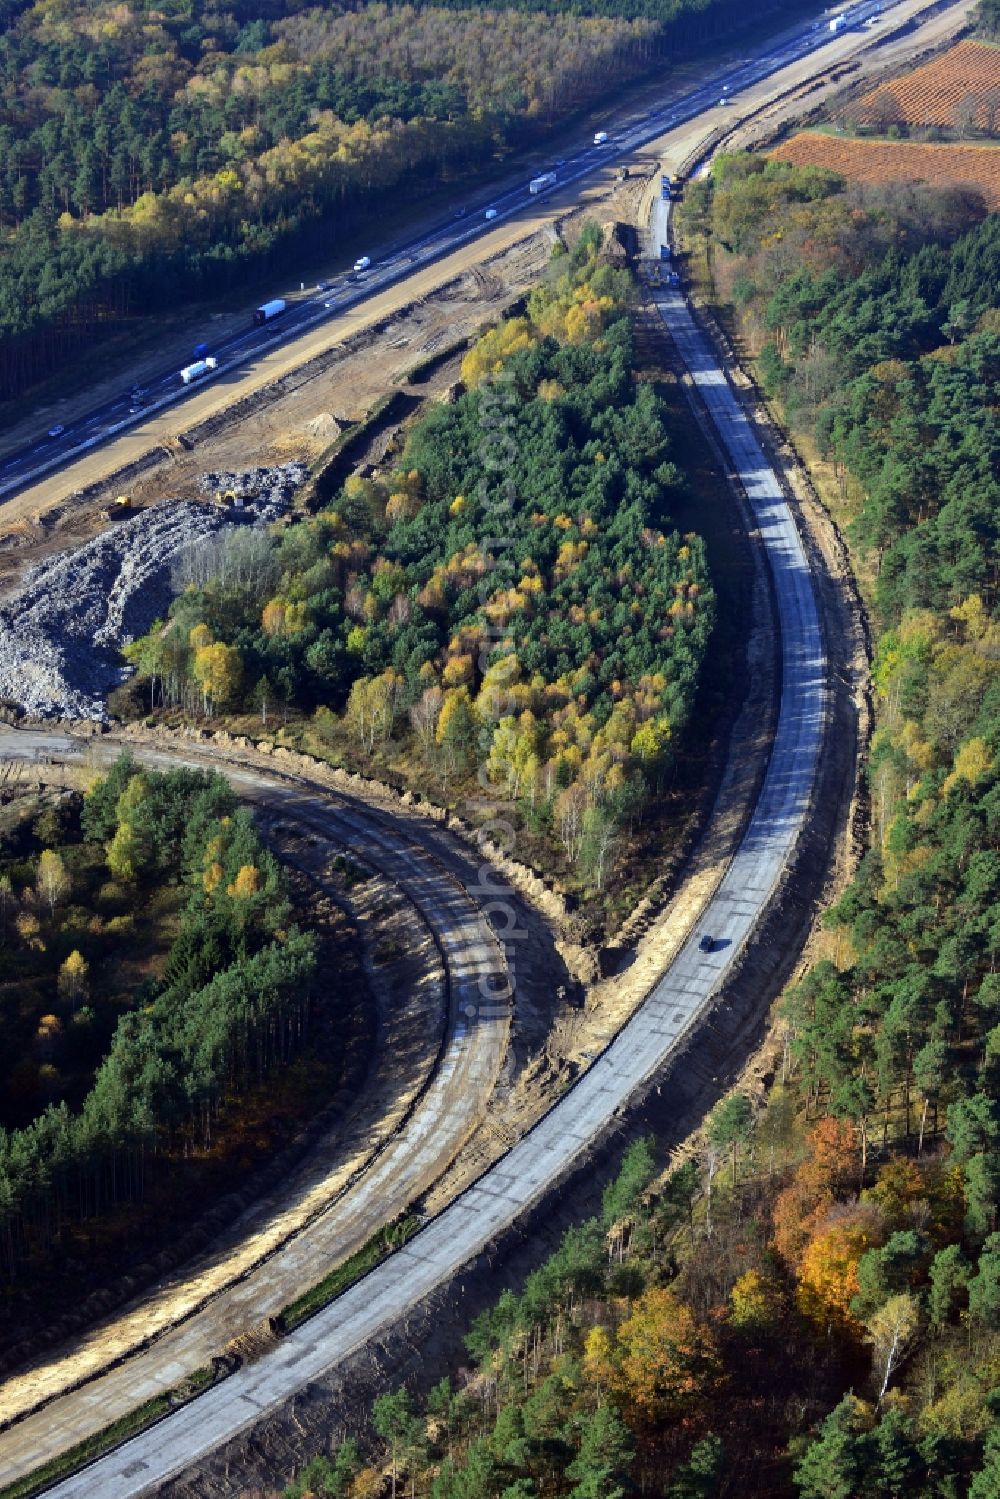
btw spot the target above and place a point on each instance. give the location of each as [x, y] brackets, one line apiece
[827, 1277]
[831, 1163]
[666, 1359]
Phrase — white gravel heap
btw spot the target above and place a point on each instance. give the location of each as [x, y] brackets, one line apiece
[268, 490]
[62, 630]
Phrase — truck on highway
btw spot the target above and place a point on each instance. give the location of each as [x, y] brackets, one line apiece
[600, 137]
[838, 23]
[540, 183]
[198, 370]
[268, 310]
[363, 263]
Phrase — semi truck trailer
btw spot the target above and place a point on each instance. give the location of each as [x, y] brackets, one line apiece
[268, 310]
[539, 184]
[198, 370]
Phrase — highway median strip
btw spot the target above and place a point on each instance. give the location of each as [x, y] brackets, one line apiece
[383, 1243]
[140, 1419]
[388, 1239]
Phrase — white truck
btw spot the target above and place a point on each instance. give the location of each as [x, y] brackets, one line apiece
[539, 184]
[268, 310]
[363, 263]
[838, 23]
[600, 137]
[199, 369]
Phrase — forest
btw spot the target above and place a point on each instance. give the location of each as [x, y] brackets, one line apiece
[511, 608]
[152, 154]
[680, 1342]
[151, 976]
[810, 1305]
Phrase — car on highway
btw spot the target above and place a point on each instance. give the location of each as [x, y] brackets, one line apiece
[135, 408]
[327, 306]
[490, 213]
[322, 286]
[706, 942]
[57, 430]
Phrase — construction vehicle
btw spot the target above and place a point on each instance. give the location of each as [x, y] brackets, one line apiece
[120, 506]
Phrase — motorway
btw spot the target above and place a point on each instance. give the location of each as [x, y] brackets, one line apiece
[393, 1149]
[164, 389]
[676, 1004]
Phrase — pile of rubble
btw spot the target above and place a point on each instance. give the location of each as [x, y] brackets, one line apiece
[61, 631]
[268, 491]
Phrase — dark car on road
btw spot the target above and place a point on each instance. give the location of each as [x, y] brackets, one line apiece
[705, 942]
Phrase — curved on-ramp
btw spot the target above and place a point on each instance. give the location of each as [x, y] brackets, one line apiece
[268, 1256]
[522, 1176]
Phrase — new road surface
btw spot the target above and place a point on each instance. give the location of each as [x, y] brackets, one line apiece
[384, 1165]
[640, 1050]
[98, 427]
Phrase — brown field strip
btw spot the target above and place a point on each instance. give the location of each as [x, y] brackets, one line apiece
[975, 167]
[961, 88]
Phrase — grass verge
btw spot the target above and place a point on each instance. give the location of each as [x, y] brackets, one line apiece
[388, 1239]
[378, 1248]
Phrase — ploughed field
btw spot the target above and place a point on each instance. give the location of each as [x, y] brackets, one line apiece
[960, 89]
[975, 167]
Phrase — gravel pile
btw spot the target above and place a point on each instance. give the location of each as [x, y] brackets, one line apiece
[61, 631]
[268, 490]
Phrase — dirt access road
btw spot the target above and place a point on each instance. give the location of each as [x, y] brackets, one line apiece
[396, 1146]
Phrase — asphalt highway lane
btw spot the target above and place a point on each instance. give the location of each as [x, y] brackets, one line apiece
[347, 290]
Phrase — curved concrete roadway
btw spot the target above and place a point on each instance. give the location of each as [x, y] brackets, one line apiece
[518, 1180]
[190, 1317]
